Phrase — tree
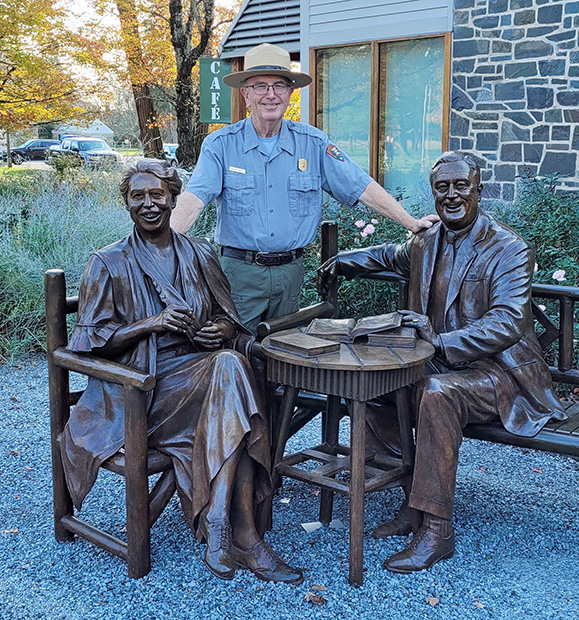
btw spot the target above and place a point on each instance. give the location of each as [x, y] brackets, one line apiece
[147, 116]
[196, 24]
[162, 41]
[38, 83]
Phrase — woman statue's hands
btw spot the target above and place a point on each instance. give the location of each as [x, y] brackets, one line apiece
[174, 319]
[213, 334]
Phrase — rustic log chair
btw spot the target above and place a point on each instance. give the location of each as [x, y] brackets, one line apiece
[135, 461]
[558, 437]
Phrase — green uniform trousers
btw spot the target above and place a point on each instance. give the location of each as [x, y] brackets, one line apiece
[261, 292]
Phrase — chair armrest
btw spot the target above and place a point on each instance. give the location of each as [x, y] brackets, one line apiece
[302, 317]
[102, 369]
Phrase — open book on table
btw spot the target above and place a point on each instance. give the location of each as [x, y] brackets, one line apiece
[348, 330]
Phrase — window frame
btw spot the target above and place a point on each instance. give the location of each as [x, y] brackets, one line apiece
[375, 89]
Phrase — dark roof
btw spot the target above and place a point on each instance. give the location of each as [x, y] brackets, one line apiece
[263, 21]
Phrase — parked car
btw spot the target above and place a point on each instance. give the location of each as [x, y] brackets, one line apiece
[32, 149]
[170, 151]
[92, 152]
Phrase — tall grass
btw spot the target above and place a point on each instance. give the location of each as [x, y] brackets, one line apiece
[47, 221]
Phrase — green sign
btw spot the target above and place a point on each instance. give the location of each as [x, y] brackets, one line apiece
[215, 95]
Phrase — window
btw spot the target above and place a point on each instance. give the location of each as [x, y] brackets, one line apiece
[385, 105]
[411, 112]
[343, 99]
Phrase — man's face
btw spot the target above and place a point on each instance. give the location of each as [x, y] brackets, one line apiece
[270, 106]
[456, 194]
[150, 203]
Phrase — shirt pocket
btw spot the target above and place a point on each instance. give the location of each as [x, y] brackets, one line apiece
[305, 194]
[238, 193]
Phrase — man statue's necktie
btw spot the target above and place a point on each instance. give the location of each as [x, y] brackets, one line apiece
[441, 281]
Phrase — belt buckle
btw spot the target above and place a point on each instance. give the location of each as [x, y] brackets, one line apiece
[263, 260]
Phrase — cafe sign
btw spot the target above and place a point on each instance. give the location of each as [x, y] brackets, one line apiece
[215, 96]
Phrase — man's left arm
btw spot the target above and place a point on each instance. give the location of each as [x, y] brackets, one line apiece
[343, 178]
[378, 199]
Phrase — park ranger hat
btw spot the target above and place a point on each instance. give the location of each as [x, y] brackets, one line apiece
[267, 59]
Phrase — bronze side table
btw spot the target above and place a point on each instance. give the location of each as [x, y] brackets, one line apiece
[357, 373]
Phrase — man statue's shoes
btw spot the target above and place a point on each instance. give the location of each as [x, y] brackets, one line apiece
[399, 525]
[266, 564]
[219, 551]
[433, 542]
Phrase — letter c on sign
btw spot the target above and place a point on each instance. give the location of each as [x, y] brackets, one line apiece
[215, 67]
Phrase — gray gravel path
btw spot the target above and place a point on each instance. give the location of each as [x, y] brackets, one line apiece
[517, 516]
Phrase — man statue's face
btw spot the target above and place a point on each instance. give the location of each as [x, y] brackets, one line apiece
[456, 194]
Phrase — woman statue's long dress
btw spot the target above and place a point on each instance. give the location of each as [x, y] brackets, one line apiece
[159, 302]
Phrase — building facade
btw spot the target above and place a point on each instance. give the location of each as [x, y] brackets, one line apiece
[398, 82]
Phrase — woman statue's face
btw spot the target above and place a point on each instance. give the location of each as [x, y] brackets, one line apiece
[150, 204]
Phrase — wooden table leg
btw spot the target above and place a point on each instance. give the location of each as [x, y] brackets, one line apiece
[287, 407]
[330, 439]
[264, 516]
[357, 462]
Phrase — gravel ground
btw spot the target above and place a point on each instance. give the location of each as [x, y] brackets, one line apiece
[517, 516]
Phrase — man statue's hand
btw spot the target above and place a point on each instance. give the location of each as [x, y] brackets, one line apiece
[327, 273]
[424, 222]
[422, 324]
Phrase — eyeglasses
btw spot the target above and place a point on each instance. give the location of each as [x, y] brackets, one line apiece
[279, 88]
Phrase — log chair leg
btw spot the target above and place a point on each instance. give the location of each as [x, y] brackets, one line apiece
[58, 388]
[264, 513]
[137, 484]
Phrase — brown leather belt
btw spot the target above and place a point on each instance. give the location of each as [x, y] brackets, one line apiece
[264, 259]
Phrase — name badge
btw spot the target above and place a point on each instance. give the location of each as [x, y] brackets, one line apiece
[303, 164]
[234, 169]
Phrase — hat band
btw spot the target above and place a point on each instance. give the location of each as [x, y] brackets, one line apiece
[274, 67]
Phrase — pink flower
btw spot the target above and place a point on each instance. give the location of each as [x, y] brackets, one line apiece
[542, 307]
[369, 230]
[363, 233]
[374, 220]
[360, 223]
[559, 275]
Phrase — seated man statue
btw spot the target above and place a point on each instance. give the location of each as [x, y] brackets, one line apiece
[469, 295]
[158, 302]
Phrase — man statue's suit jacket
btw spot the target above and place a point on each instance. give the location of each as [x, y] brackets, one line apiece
[492, 322]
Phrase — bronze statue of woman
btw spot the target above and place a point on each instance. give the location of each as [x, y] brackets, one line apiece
[158, 301]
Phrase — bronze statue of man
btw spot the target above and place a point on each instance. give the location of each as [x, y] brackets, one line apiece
[158, 302]
[470, 296]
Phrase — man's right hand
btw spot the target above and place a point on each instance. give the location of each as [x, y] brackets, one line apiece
[186, 212]
[327, 273]
[424, 222]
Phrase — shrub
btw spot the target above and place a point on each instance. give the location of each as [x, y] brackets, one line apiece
[358, 227]
[549, 220]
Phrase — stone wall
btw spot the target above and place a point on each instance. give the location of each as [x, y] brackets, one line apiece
[515, 90]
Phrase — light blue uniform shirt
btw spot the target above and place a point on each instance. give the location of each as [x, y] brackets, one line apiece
[272, 202]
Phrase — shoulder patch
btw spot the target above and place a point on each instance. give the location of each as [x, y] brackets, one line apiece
[333, 151]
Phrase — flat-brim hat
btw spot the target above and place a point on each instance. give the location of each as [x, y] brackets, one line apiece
[267, 59]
